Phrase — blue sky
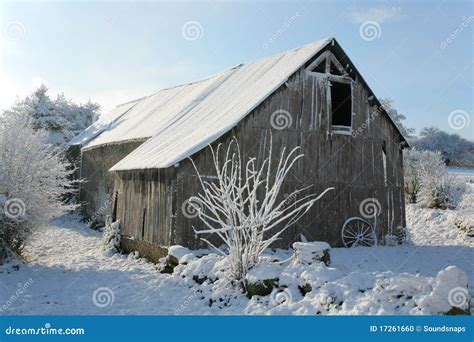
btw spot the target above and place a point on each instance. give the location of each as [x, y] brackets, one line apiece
[112, 52]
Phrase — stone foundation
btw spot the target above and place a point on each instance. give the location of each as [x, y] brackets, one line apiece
[150, 251]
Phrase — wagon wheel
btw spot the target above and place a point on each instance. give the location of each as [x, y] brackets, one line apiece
[358, 232]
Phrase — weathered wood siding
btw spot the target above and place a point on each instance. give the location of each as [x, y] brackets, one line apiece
[145, 204]
[351, 164]
[96, 192]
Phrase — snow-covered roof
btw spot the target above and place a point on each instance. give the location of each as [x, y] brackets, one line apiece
[92, 136]
[184, 119]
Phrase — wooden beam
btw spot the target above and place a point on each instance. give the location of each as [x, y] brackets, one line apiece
[338, 65]
[336, 78]
[318, 60]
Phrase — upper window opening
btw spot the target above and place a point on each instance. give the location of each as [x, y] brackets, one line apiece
[339, 91]
[341, 104]
[334, 70]
[321, 67]
[327, 63]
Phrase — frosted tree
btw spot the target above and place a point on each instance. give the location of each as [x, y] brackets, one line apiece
[429, 131]
[61, 118]
[417, 162]
[243, 208]
[427, 180]
[438, 188]
[454, 149]
[33, 179]
[397, 117]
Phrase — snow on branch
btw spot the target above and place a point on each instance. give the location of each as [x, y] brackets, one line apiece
[242, 208]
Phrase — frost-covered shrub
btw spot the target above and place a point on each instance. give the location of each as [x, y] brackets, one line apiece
[427, 180]
[207, 268]
[12, 235]
[111, 237]
[417, 164]
[240, 205]
[440, 191]
[33, 178]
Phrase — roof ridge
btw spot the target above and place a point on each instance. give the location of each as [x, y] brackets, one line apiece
[174, 140]
[217, 74]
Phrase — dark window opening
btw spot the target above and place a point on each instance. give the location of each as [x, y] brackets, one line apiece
[321, 67]
[143, 223]
[334, 70]
[341, 102]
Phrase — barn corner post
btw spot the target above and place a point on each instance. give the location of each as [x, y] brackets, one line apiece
[144, 208]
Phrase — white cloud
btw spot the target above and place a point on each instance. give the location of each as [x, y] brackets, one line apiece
[379, 14]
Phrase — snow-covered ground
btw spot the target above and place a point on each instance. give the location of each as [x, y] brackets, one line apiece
[68, 273]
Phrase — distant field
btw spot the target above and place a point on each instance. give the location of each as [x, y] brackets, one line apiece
[461, 170]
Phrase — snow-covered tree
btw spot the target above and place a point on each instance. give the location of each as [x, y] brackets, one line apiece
[243, 208]
[61, 118]
[455, 150]
[416, 163]
[427, 180]
[33, 178]
[398, 118]
[111, 236]
[428, 131]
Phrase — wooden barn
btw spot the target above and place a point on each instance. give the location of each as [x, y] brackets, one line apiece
[136, 166]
